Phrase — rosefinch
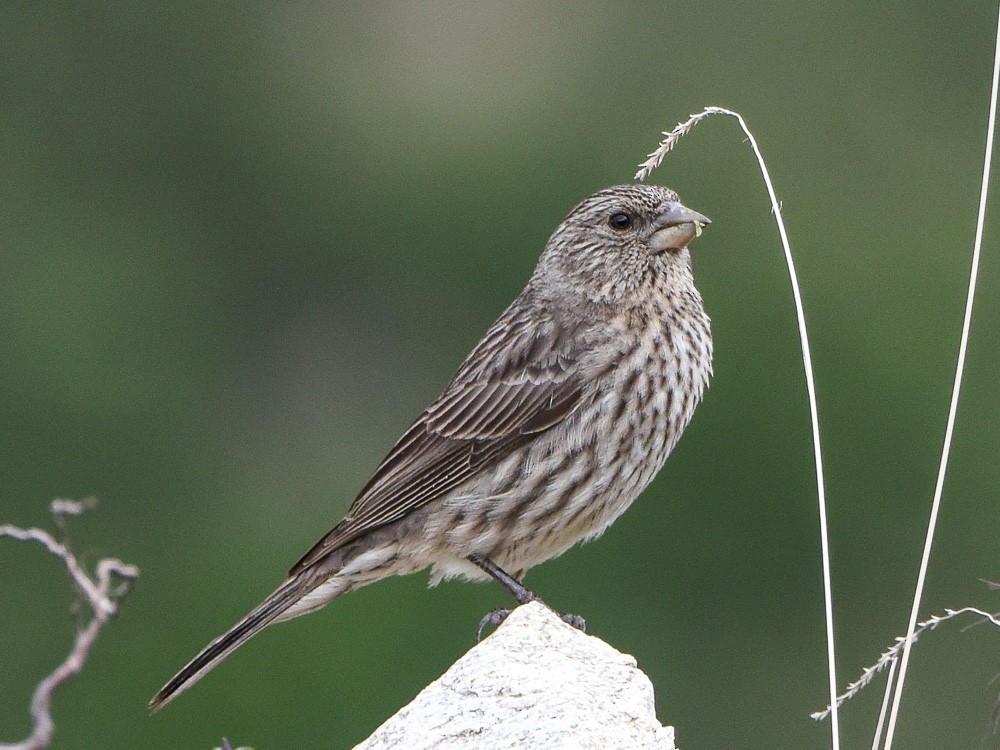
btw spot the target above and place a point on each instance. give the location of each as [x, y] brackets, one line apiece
[555, 422]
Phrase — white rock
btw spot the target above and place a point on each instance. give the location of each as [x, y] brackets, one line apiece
[535, 683]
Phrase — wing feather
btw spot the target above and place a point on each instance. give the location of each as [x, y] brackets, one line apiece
[485, 413]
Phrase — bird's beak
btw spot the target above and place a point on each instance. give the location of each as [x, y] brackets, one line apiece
[676, 227]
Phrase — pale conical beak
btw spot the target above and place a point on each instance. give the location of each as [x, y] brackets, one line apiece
[676, 227]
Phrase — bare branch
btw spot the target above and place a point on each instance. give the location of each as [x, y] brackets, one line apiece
[102, 593]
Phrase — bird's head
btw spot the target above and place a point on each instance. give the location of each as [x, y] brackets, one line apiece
[619, 239]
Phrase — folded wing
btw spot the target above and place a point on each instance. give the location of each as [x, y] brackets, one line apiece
[519, 382]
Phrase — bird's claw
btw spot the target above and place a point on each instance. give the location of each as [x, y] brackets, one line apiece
[576, 621]
[497, 616]
[494, 618]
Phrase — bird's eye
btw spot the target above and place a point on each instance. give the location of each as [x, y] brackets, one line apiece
[620, 221]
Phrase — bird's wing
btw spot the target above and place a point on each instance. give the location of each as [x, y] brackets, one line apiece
[517, 383]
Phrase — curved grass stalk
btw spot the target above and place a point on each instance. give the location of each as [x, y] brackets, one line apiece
[651, 163]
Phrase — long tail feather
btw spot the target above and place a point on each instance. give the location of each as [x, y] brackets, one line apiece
[265, 613]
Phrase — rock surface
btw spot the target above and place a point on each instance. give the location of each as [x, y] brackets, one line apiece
[534, 683]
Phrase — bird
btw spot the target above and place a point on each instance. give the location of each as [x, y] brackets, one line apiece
[555, 422]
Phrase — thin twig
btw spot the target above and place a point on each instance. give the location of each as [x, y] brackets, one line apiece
[956, 391]
[102, 593]
[653, 161]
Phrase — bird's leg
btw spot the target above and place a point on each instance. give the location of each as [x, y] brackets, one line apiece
[521, 593]
[501, 576]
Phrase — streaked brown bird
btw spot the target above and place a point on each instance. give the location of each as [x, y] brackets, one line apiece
[561, 415]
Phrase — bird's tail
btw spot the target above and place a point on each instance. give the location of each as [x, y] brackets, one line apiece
[291, 592]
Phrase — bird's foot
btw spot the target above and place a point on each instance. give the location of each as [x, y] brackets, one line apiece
[519, 591]
[497, 616]
[493, 618]
[576, 621]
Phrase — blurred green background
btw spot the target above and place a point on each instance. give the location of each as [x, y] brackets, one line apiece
[243, 245]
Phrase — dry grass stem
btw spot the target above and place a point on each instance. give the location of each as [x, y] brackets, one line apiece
[645, 169]
[955, 394]
[891, 655]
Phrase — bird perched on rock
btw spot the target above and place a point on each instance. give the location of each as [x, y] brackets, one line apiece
[561, 415]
